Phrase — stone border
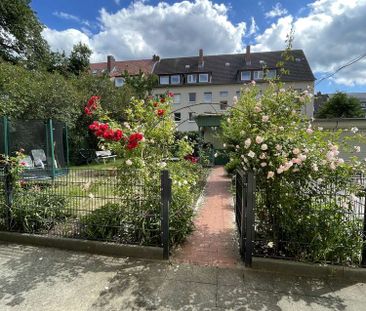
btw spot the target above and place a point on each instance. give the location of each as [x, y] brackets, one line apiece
[308, 269]
[94, 247]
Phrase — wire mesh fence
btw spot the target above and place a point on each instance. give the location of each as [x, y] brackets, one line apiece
[316, 222]
[106, 205]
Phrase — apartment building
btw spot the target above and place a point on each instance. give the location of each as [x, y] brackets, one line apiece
[206, 85]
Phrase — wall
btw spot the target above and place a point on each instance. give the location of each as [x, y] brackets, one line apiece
[199, 107]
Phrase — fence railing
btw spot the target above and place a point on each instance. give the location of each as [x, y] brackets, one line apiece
[104, 205]
[326, 224]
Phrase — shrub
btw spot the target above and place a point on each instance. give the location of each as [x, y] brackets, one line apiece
[35, 212]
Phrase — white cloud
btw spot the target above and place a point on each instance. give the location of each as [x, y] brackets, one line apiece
[65, 15]
[276, 11]
[64, 40]
[253, 27]
[142, 30]
[331, 34]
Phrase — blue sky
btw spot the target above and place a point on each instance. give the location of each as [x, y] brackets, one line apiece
[329, 31]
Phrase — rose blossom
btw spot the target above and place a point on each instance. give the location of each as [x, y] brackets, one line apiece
[296, 161]
[315, 167]
[357, 148]
[263, 164]
[340, 161]
[296, 151]
[270, 174]
[281, 128]
[264, 147]
[257, 109]
[247, 143]
[259, 139]
[129, 162]
[309, 131]
[354, 130]
[280, 170]
[265, 118]
[263, 156]
[332, 166]
[251, 154]
[278, 147]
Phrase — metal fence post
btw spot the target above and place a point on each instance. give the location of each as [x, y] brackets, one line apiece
[166, 197]
[8, 187]
[249, 220]
[242, 212]
[363, 256]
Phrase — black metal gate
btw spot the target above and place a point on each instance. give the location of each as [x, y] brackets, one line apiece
[244, 213]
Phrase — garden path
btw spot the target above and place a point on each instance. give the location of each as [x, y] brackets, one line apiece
[214, 241]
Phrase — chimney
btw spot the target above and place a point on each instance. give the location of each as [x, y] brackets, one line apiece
[110, 63]
[248, 60]
[156, 58]
[201, 61]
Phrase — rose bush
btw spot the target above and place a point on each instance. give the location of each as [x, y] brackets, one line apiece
[145, 142]
[302, 181]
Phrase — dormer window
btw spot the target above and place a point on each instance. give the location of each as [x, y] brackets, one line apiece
[164, 80]
[203, 78]
[175, 79]
[258, 75]
[192, 78]
[245, 76]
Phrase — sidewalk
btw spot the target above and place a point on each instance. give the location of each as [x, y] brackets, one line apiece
[214, 241]
[41, 279]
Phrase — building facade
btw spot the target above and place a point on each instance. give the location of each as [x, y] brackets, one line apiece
[206, 85]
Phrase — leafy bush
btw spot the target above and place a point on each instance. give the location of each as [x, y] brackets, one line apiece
[35, 212]
[300, 176]
[232, 166]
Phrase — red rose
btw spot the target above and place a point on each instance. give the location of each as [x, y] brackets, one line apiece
[162, 100]
[170, 94]
[156, 104]
[118, 135]
[160, 112]
[87, 111]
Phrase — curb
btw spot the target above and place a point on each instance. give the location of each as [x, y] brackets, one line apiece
[308, 269]
[87, 246]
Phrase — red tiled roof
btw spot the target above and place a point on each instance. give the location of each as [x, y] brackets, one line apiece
[132, 66]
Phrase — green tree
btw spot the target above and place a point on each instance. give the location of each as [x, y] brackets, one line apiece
[21, 38]
[341, 106]
[141, 84]
[79, 59]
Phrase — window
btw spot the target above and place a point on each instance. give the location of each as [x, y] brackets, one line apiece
[177, 116]
[224, 94]
[238, 93]
[164, 80]
[258, 75]
[175, 79]
[223, 105]
[190, 116]
[192, 97]
[245, 76]
[192, 78]
[176, 98]
[118, 82]
[203, 77]
[271, 74]
[207, 97]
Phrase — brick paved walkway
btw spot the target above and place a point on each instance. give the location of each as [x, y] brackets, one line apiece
[214, 242]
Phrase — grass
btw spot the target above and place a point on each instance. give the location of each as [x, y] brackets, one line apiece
[110, 164]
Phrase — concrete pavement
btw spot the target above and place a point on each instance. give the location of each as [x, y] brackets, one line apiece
[49, 279]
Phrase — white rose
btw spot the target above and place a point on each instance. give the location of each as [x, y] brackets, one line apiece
[263, 164]
[296, 151]
[357, 149]
[129, 162]
[270, 244]
[270, 174]
[247, 143]
[354, 130]
[259, 139]
[278, 147]
[264, 147]
[251, 154]
[162, 164]
[265, 118]
[315, 167]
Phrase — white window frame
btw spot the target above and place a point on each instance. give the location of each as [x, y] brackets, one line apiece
[201, 75]
[243, 78]
[189, 97]
[192, 78]
[176, 114]
[120, 83]
[163, 77]
[205, 99]
[258, 75]
[177, 98]
[173, 77]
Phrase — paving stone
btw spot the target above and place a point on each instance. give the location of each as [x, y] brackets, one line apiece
[193, 273]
